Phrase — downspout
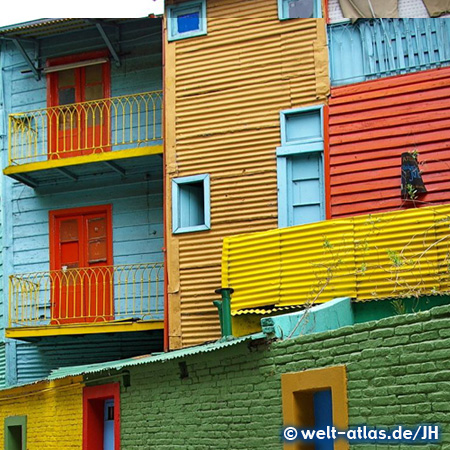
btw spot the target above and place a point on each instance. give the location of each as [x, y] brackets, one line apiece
[224, 308]
[165, 225]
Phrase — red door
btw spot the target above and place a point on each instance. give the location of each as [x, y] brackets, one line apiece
[83, 126]
[80, 260]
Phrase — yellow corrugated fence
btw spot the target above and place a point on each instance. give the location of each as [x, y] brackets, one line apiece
[395, 254]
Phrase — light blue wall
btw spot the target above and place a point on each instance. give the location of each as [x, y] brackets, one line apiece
[376, 48]
[136, 203]
[136, 216]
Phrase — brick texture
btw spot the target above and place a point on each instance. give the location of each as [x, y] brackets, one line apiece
[398, 373]
[54, 414]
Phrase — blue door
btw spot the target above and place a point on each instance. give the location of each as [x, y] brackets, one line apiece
[323, 416]
[108, 427]
[305, 196]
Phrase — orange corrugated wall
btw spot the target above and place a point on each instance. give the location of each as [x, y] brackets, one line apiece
[371, 124]
[223, 98]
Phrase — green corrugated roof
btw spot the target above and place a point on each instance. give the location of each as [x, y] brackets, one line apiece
[147, 359]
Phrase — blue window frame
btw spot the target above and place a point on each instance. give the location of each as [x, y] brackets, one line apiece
[191, 204]
[186, 20]
[301, 196]
[293, 9]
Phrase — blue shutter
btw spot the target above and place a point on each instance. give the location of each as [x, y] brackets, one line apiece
[192, 211]
[305, 191]
[301, 197]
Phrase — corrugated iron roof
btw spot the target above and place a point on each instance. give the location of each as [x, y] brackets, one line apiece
[42, 28]
[147, 359]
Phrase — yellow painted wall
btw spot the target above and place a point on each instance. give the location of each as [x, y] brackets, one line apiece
[54, 413]
[223, 95]
[402, 253]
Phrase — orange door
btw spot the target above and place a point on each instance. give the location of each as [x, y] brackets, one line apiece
[82, 280]
[83, 126]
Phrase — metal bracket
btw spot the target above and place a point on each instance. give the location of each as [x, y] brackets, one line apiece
[115, 167]
[67, 173]
[108, 43]
[34, 69]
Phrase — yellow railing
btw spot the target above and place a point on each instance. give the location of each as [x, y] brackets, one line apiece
[92, 294]
[387, 255]
[76, 129]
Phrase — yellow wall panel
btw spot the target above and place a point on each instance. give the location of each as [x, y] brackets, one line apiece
[397, 254]
[54, 413]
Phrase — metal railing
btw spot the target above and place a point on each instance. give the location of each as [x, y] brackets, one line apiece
[96, 126]
[90, 294]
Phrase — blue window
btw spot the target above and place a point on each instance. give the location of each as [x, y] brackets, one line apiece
[301, 197]
[191, 204]
[186, 20]
[294, 9]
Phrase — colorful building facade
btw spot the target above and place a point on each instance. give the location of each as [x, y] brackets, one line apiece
[83, 193]
[289, 161]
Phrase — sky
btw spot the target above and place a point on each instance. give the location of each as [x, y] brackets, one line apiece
[25, 10]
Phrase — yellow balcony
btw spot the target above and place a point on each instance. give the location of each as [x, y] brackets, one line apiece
[54, 144]
[388, 255]
[86, 301]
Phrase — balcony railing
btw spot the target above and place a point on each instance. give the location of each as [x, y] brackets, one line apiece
[400, 254]
[93, 294]
[77, 129]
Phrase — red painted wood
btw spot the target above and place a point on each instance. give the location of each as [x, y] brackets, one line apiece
[72, 244]
[371, 124]
[84, 131]
[93, 402]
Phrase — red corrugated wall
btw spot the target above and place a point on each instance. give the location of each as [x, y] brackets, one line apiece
[372, 124]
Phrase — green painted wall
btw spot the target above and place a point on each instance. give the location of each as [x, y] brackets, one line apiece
[398, 373]
[375, 310]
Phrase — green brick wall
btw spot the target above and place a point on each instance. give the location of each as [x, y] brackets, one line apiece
[398, 374]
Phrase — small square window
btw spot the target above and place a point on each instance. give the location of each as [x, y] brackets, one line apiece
[190, 204]
[296, 9]
[186, 20]
[16, 433]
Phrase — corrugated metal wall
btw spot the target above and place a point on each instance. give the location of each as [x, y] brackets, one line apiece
[395, 254]
[228, 91]
[371, 124]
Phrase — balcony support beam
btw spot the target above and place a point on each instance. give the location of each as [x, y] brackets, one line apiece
[34, 69]
[67, 173]
[108, 43]
[25, 179]
[115, 167]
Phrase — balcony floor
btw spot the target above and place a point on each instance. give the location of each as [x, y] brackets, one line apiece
[122, 162]
[31, 334]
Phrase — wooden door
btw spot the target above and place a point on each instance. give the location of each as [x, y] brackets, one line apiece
[81, 256]
[83, 126]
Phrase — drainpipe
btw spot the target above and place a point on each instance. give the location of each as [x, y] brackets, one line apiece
[224, 308]
[165, 225]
